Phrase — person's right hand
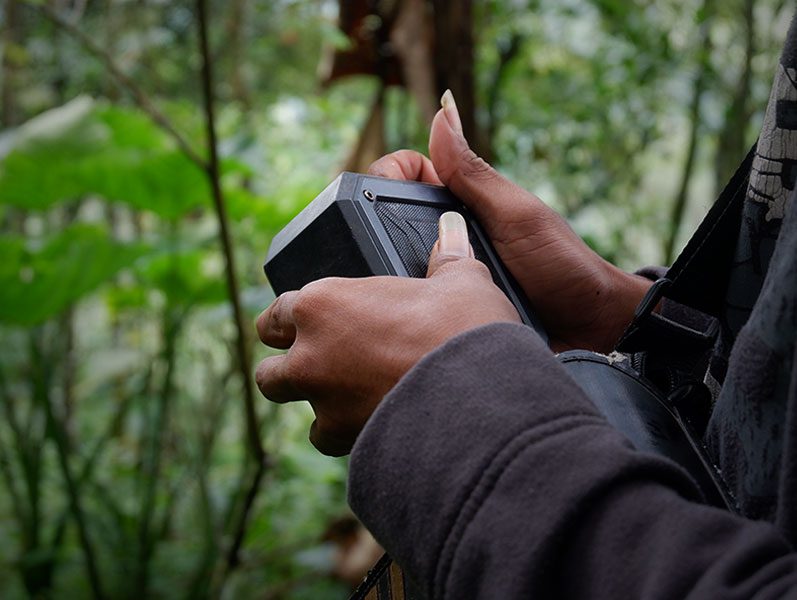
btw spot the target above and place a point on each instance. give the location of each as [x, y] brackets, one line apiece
[583, 300]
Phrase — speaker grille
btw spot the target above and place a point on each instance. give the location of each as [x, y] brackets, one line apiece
[412, 228]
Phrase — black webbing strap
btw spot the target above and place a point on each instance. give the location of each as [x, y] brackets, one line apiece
[700, 273]
[385, 581]
[699, 276]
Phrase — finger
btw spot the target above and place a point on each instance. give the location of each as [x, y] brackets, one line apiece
[276, 325]
[329, 444]
[407, 165]
[468, 176]
[452, 243]
[274, 381]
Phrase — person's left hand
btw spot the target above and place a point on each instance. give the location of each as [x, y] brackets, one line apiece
[349, 341]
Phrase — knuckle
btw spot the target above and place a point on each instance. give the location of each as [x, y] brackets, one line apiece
[272, 322]
[392, 165]
[403, 155]
[298, 368]
[330, 435]
[467, 267]
[447, 170]
[261, 325]
[471, 165]
[380, 167]
[322, 426]
[311, 300]
[308, 371]
[479, 268]
[261, 375]
[275, 325]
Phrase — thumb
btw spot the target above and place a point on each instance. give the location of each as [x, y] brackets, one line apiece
[452, 242]
[480, 187]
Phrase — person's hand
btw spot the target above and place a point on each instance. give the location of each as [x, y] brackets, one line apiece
[349, 341]
[583, 301]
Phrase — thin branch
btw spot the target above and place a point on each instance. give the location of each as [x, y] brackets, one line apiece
[152, 465]
[16, 498]
[214, 177]
[255, 445]
[241, 519]
[86, 471]
[59, 438]
[506, 54]
[23, 510]
[140, 97]
[10, 412]
[202, 578]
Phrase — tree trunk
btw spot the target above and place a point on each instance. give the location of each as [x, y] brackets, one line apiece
[433, 43]
[412, 38]
[679, 204]
[506, 54]
[371, 143]
[454, 57]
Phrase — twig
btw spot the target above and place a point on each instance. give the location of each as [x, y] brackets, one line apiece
[16, 498]
[140, 97]
[255, 445]
[58, 435]
[28, 448]
[214, 177]
[203, 573]
[86, 471]
[152, 467]
[5, 459]
[10, 412]
[242, 518]
[506, 54]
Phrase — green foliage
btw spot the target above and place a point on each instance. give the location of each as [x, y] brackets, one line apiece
[114, 314]
[184, 277]
[39, 283]
[85, 148]
[576, 60]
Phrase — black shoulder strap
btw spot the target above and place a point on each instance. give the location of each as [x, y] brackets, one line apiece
[385, 581]
[699, 276]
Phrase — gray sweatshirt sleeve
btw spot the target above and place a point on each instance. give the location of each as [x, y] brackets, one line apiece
[486, 473]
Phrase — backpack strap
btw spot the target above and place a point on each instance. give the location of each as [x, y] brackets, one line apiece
[698, 278]
[385, 581]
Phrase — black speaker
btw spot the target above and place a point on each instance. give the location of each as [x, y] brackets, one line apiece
[361, 226]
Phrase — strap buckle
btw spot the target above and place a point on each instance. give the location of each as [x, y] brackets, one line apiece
[651, 298]
[629, 341]
[650, 331]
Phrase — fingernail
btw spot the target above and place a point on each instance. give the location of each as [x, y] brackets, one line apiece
[451, 112]
[453, 235]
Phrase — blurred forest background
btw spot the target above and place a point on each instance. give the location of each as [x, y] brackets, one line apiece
[135, 458]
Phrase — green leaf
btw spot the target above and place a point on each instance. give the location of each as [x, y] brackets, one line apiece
[85, 148]
[186, 275]
[38, 284]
